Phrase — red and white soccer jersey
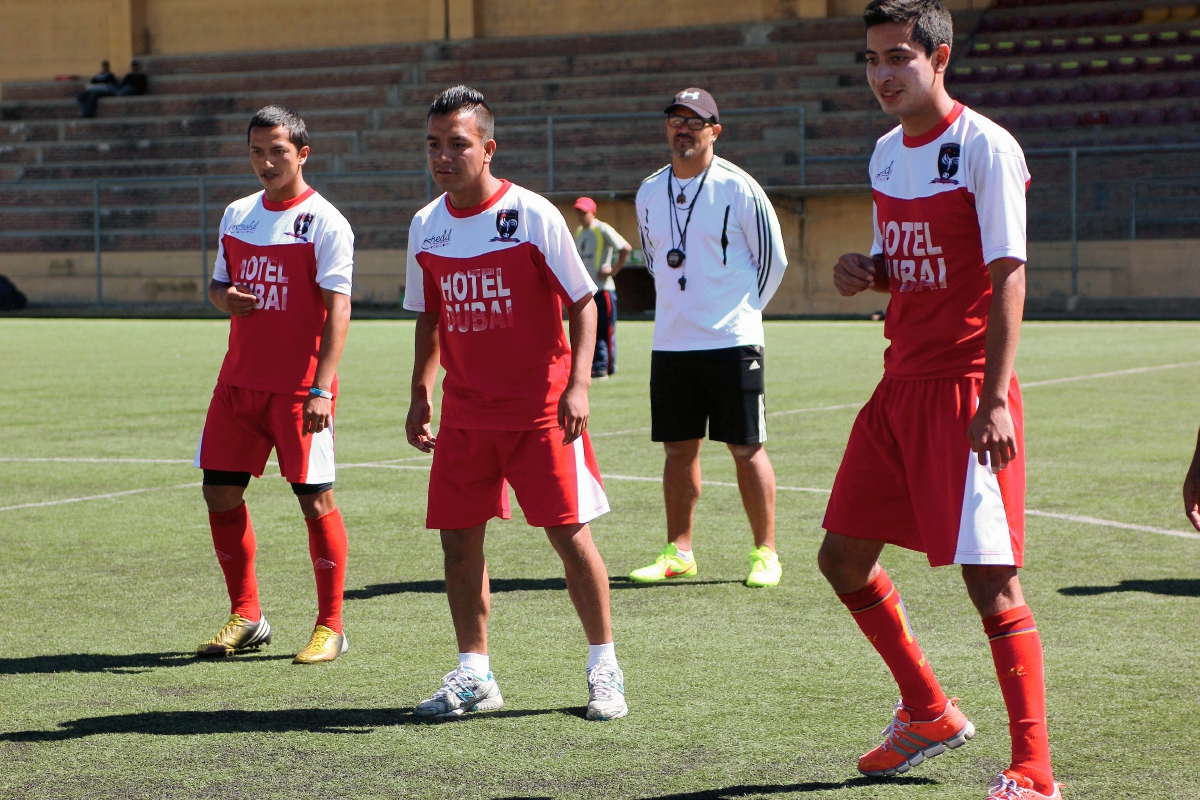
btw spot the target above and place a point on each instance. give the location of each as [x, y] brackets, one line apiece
[286, 253]
[497, 276]
[946, 204]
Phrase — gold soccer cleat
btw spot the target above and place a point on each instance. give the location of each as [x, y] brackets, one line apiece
[326, 644]
[237, 634]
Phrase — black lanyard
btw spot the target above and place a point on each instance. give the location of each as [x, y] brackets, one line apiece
[677, 255]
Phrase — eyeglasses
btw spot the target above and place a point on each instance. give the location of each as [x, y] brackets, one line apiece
[694, 123]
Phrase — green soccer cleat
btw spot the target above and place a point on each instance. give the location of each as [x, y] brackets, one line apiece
[237, 634]
[765, 569]
[667, 565]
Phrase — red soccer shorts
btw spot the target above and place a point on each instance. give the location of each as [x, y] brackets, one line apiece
[909, 477]
[555, 484]
[244, 424]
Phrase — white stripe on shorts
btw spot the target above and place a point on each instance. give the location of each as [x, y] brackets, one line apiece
[983, 536]
[589, 493]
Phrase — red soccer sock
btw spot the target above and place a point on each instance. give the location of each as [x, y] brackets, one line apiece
[327, 545]
[1017, 651]
[233, 540]
[880, 614]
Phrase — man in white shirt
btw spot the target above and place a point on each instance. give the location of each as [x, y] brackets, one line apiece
[597, 242]
[713, 244]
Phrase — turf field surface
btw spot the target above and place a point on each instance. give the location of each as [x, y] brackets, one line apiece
[733, 692]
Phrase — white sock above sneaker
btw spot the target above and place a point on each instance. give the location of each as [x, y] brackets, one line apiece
[601, 652]
[684, 555]
[477, 663]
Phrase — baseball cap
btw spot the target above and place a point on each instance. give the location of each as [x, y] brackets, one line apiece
[586, 204]
[697, 100]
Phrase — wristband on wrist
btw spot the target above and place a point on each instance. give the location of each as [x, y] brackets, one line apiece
[320, 393]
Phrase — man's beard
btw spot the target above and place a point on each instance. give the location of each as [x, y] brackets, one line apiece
[685, 148]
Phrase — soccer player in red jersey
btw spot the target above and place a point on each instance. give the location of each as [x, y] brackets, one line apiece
[936, 461]
[283, 271]
[490, 265]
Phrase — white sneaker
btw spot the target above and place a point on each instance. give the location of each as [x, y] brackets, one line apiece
[461, 691]
[606, 692]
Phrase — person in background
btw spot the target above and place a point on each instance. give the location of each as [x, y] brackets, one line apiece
[597, 242]
[105, 84]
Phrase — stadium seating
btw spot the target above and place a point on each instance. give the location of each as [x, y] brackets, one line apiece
[1124, 72]
[1067, 73]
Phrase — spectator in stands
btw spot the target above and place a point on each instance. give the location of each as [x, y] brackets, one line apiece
[102, 83]
[597, 242]
[135, 82]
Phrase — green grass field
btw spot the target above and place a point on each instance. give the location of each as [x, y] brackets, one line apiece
[733, 692]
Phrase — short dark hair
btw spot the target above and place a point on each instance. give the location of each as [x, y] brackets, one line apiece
[464, 98]
[932, 25]
[280, 117]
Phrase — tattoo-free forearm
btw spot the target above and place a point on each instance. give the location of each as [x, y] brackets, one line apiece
[582, 327]
[425, 363]
[1003, 329]
[333, 338]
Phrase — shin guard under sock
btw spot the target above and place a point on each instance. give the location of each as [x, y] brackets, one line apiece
[880, 614]
[327, 546]
[1017, 652]
[233, 541]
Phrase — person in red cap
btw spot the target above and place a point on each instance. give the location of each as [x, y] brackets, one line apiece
[598, 242]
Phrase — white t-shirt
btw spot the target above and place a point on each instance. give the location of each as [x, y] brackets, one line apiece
[734, 257]
[597, 245]
[497, 275]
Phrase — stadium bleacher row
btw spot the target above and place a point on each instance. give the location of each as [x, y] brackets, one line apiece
[366, 108]
[1124, 69]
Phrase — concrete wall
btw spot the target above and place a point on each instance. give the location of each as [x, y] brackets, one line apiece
[43, 38]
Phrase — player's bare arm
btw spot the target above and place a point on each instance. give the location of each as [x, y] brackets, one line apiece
[425, 368]
[573, 405]
[991, 433]
[856, 273]
[318, 411]
[232, 299]
[1191, 488]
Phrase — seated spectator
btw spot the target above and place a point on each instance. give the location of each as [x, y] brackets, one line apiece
[106, 84]
[135, 81]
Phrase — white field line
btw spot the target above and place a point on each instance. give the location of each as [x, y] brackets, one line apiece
[1133, 371]
[769, 414]
[708, 483]
[98, 460]
[1111, 524]
[99, 496]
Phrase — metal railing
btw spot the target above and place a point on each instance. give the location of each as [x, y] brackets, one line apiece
[1068, 201]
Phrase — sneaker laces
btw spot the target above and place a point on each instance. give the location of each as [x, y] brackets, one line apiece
[1005, 788]
[453, 683]
[321, 638]
[602, 679]
[895, 728]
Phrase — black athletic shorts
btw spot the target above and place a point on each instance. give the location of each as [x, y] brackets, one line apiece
[722, 389]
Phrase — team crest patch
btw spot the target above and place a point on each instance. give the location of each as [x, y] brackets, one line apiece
[302, 223]
[506, 225]
[947, 163]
